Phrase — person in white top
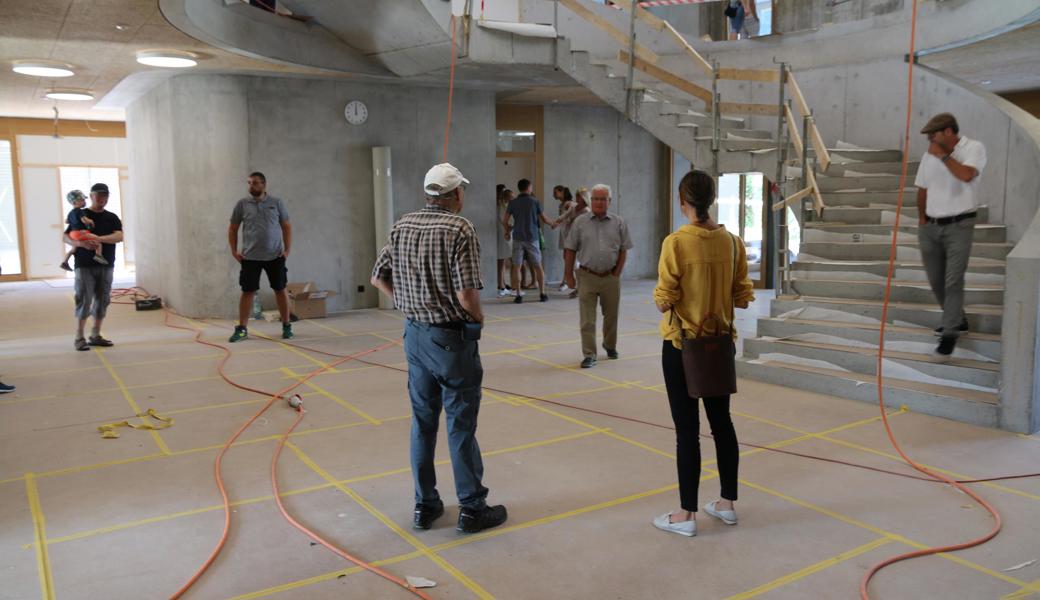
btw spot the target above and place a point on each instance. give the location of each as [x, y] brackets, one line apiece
[947, 202]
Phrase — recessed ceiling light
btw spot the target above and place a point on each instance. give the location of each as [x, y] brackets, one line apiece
[122, 27]
[524, 134]
[69, 94]
[170, 59]
[42, 68]
[987, 82]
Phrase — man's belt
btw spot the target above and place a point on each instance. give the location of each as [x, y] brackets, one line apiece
[953, 219]
[597, 274]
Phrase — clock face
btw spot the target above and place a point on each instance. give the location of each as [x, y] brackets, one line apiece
[356, 112]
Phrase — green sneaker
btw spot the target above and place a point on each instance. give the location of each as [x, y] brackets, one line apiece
[287, 333]
[240, 334]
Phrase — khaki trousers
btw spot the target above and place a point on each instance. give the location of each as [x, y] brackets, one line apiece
[606, 290]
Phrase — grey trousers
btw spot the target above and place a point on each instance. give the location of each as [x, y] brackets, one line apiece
[945, 250]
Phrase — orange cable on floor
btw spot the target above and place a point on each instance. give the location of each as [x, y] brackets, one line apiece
[864, 595]
[227, 445]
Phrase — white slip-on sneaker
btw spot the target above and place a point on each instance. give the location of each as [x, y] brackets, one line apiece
[729, 517]
[687, 528]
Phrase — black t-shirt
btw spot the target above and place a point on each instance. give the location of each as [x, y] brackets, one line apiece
[104, 223]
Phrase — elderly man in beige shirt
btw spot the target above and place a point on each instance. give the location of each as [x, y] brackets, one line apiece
[599, 241]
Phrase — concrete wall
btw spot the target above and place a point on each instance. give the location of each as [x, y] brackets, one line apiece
[589, 145]
[195, 138]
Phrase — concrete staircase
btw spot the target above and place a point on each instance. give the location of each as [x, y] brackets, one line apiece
[823, 336]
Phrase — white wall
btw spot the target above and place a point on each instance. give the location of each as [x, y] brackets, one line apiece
[44, 208]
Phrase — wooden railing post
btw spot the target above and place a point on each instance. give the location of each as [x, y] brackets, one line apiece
[783, 264]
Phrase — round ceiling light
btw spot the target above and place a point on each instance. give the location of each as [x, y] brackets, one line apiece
[69, 94]
[170, 59]
[42, 68]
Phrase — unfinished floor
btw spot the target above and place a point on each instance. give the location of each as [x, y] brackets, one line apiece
[134, 517]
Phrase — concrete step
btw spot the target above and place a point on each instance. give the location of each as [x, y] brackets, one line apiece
[739, 145]
[968, 406]
[886, 168]
[984, 318]
[864, 360]
[879, 268]
[733, 133]
[861, 215]
[835, 199]
[881, 183]
[902, 291]
[690, 114]
[986, 344]
[905, 250]
[816, 231]
[841, 156]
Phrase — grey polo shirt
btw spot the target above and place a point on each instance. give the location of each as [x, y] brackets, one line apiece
[261, 222]
[598, 240]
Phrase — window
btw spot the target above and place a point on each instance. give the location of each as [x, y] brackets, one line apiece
[10, 247]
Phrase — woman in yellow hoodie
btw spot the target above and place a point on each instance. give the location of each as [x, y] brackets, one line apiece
[697, 276]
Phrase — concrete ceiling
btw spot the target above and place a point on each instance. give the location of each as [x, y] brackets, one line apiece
[1010, 61]
[84, 33]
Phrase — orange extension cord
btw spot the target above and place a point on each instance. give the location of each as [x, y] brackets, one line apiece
[274, 462]
[864, 595]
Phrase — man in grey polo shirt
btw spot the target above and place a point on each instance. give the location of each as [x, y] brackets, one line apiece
[266, 239]
[599, 241]
[947, 199]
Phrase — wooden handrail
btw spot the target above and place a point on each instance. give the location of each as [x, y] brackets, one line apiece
[796, 138]
[764, 75]
[749, 108]
[697, 58]
[667, 77]
[643, 15]
[823, 157]
[792, 199]
[818, 204]
[607, 27]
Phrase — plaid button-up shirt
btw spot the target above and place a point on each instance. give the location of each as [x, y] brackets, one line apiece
[431, 254]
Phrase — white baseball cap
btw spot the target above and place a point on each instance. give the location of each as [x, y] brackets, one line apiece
[442, 179]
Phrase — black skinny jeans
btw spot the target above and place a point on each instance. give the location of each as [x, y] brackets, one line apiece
[687, 432]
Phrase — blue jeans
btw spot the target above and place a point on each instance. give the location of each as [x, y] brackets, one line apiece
[444, 371]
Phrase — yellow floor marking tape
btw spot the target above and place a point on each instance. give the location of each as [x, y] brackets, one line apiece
[335, 398]
[411, 539]
[285, 587]
[571, 369]
[348, 481]
[462, 541]
[137, 364]
[893, 536]
[811, 569]
[130, 399]
[109, 430]
[43, 560]
[1023, 593]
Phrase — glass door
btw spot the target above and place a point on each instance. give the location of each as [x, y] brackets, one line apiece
[11, 255]
[742, 211]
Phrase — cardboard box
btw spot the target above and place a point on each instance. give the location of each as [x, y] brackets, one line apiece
[306, 301]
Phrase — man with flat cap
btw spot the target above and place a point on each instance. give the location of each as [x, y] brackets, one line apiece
[947, 201]
[430, 269]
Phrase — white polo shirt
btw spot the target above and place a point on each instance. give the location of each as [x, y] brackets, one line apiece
[947, 195]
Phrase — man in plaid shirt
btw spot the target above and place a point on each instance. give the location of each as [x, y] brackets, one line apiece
[430, 268]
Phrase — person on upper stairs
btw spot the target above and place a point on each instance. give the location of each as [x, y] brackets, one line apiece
[947, 206]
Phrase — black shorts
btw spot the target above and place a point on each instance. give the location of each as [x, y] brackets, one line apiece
[249, 276]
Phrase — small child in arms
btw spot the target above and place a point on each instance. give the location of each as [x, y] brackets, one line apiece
[80, 225]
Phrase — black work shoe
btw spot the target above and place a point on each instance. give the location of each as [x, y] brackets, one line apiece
[97, 340]
[588, 362]
[518, 300]
[543, 298]
[946, 344]
[962, 327]
[472, 520]
[611, 354]
[425, 515]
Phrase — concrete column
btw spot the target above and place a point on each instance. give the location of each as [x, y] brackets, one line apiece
[382, 203]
